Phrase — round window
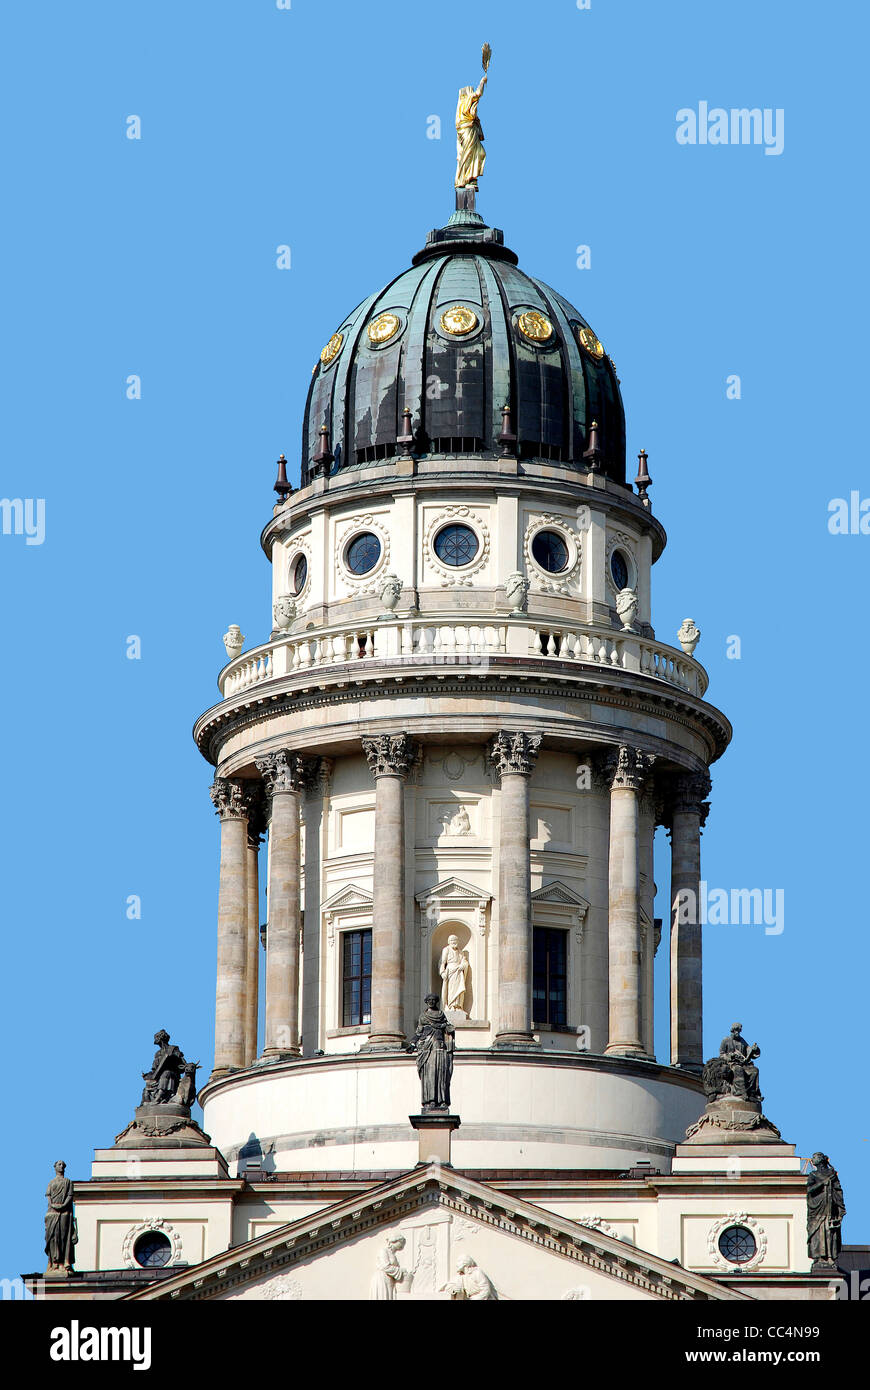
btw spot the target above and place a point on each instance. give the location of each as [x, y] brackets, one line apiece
[152, 1250]
[363, 553]
[550, 551]
[619, 569]
[300, 574]
[456, 545]
[737, 1244]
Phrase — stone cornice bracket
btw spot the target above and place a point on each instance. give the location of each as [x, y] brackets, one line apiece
[284, 772]
[229, 798]
[390, 755]
[630, 768]
[514, 753]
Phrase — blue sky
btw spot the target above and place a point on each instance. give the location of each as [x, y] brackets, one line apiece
[157, 257]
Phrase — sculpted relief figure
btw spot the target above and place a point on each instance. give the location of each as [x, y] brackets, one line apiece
[389, 1273]
[453, 969]
[433, 1042]
[60, 1226]
[471, 1283]
[826, 1208]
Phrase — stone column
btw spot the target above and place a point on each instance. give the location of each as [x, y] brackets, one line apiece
[284, 774]
[231, 804]
[513, 756]
[625, 982]
[688, 812]
[389, 757]
[252, 941]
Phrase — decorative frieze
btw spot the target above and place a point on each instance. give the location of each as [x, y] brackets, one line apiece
[514, 753]
[390, 755]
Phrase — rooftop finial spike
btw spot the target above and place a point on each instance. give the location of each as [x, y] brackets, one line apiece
[282, 487]
[643, 479]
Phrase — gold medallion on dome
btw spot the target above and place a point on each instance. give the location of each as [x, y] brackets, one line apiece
[332, 349]
[458, 320]
[382, 328]
[587, 339]
[535, 326]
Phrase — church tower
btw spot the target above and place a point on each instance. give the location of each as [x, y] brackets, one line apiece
[447, 758]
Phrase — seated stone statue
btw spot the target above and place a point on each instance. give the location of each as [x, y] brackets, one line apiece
[739, 1056]
[161, 1082]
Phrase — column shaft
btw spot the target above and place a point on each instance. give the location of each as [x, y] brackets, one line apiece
[514, 756]
[625, 982]
[282, 932]
[389, 757]
[229, 1025]
[252, 949]
[687, 817]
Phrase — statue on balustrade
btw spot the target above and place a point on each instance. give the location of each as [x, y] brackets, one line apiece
[826, 1208]
[433, 1043]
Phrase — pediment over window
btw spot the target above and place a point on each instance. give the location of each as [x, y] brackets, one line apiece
[348, 899]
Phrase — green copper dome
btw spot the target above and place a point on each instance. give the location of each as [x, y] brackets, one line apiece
[453, 340]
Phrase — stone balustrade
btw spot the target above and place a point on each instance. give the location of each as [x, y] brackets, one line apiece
[473, 645]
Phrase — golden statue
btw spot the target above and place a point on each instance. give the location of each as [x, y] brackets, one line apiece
[470, 154]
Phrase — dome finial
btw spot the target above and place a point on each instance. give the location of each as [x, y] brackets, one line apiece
[643, 479]
[507, 439]
[470, 154]
[282, 487]
[323, 455]
[592, 451]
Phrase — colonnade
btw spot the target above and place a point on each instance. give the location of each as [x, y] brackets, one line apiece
[245, 805]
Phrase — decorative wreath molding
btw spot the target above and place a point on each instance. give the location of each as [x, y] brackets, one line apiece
[618, 540]
[157, 1223]
[362, 583]
[450, 577]
[299, 545]
[282, 1286]
[739, 1218]
[541, 578]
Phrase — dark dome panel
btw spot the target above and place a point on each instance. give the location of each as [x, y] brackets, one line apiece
[453, 339]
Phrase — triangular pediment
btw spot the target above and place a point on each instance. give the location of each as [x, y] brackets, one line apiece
[411, 1239]
[350, 898]
[560, 895]
[454, 890]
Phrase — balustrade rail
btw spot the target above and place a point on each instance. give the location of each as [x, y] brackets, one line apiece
[471, 645]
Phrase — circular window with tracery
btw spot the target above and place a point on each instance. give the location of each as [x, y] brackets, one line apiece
[619, 569]
[456, 545]
[363, 553]
[152, 1250]
[550, 551]
[300, 574]
[737, 1244]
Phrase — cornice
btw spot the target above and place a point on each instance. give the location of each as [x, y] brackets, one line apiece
[638, 693]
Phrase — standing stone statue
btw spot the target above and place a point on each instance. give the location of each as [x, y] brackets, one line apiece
[433, 1042]
[60, 1226]
[453, 969]
[825, 1211]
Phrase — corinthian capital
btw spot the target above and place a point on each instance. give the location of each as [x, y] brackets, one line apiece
[283, 771]
[514, 752]
[690, 792]
[629, 767]
[390, 755]
[230, 798]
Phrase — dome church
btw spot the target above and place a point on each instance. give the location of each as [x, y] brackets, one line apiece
[436, 1070]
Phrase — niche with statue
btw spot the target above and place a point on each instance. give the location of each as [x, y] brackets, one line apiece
[451, 968]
